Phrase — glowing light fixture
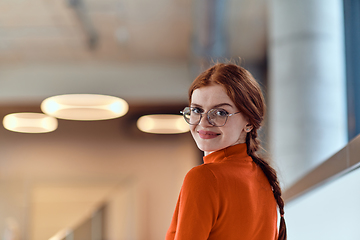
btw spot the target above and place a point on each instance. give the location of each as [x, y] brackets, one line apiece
[85, 107]
[30, 122]
[162, 124]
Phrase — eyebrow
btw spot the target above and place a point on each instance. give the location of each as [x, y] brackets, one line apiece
[216, 106]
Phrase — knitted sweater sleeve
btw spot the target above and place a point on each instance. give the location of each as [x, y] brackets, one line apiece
[197, 207]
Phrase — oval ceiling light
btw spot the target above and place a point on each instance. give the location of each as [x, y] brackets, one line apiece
[30, 123]
[162, 124]
[84, 107]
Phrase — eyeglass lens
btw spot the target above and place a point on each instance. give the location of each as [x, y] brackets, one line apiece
[216, 117]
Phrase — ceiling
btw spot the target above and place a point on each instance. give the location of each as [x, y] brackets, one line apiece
[46, 45]
[127, 30]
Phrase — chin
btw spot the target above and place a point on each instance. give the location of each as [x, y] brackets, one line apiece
[205, 147]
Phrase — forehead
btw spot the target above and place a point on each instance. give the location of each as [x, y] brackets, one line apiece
[210, 95]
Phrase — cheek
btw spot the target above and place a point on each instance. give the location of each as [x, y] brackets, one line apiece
[232, 134]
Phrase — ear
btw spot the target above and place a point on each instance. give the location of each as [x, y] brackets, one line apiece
[248, 127]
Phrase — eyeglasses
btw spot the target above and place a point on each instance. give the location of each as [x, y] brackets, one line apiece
[216, 116]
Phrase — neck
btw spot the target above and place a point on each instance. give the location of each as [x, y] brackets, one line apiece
[208, 152]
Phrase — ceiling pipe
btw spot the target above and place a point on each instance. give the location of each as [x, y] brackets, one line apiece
[209, 42]
[83, 16]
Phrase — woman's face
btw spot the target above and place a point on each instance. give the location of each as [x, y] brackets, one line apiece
[208, 137]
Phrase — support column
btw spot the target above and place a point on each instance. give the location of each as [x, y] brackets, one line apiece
[307, 111]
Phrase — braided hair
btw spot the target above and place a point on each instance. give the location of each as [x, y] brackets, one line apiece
[245, 92]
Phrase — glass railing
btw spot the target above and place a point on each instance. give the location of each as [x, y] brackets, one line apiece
[325, 204]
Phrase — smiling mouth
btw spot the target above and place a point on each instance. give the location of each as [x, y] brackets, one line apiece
[207, 134]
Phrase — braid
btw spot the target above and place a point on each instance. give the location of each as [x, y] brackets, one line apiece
[253, 145]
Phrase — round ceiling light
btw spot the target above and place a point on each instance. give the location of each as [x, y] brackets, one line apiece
[30, 122]
[85, 107]
[162, 124]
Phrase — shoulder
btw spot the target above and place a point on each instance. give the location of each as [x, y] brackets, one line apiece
[200, 175]
[200, 172]
[200, 183]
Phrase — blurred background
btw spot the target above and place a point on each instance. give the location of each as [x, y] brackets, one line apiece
[109, 180]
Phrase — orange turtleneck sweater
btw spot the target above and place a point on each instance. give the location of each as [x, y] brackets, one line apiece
[226, 198]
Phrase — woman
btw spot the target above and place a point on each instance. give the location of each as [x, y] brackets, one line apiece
[234, 195]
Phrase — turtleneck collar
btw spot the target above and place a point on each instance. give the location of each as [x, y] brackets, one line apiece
[238, 151]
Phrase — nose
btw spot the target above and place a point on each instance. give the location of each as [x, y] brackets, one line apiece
[204, 121]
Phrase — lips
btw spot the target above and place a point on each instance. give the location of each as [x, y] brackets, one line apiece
[207, 134]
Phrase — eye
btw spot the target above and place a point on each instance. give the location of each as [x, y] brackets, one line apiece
[221, 113]
[197, 110]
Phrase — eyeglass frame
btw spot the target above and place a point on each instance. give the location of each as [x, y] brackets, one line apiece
[207, 116]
